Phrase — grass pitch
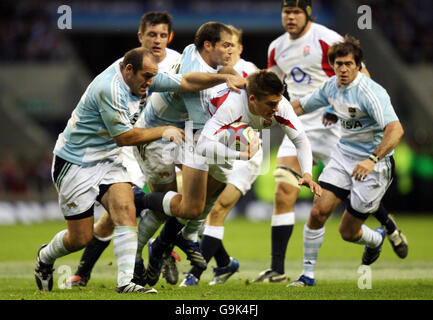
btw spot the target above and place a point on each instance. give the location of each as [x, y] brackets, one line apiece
[337, 273]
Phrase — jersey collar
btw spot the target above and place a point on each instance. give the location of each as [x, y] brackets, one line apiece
[354, 83]
[119, 73]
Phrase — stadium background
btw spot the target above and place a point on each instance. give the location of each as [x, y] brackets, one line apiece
[44, 71]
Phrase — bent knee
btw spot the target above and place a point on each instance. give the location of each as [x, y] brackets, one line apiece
[348, 235]
[285, 196]
[319, 214]
[194, 212]
[123, 214]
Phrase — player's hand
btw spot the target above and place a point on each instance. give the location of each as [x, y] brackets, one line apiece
[253, 147]
[362, 169]
[307, 180]
[235, 83]
[173, 134]
[329, 119]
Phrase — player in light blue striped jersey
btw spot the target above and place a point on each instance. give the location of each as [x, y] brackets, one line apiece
[361, 164]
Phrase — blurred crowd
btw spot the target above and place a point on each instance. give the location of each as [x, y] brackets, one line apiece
[22, 177]
[27, 32]
[408, 25]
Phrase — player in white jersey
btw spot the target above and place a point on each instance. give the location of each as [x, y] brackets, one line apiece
[87, 167]
[299, 56]
[154, 34]
[361, 164]
[260, 106]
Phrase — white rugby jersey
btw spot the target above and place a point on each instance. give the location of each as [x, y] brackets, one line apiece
[364, 109]
[107, 109]
[244, 68]
[233, 107]
[171, 58]
[175, 108]
[303, 64]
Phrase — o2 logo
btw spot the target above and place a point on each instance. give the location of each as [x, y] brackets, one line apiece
[298, 75]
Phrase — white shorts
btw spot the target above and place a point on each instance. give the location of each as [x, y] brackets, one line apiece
[132, 166]
[322, 139]
[190, 158]
[78, 186]
[239, 173]
[157, 161]
[365, 195]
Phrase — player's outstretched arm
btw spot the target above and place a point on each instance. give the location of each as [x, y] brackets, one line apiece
[297, 107]
[196, 81]
[228, 70]
[137, 136]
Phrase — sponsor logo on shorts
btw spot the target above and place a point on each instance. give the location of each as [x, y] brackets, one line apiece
[164, 174]
[71, 205]
[369, 205]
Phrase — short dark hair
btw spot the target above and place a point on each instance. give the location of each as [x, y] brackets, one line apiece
[210, 31]
[264, 83]
[342, 49]
[135, 58]
[154, 18]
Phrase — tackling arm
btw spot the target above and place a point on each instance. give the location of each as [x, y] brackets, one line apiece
[196, 81]
[228, 70]
[137, 136]
[297, 107]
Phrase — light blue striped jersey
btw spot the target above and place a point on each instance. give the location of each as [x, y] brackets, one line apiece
[107, 109]
[171, 108]
[363, 107]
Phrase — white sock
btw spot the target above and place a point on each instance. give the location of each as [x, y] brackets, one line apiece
[104, 239]
[369, 237]
[166, 202]
[148, 225]
[284, 219]
[125, 248]
[313, 239]
[55, 249]
[214, 231]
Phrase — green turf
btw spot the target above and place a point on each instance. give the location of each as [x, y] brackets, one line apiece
[336, 272]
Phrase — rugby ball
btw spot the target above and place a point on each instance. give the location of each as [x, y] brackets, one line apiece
[236, 136]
